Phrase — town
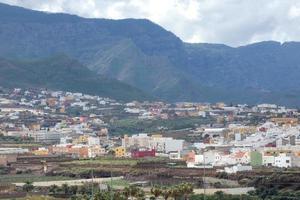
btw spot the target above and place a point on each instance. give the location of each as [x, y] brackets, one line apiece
[56, 136]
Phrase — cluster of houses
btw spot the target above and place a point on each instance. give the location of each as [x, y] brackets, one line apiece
[239, 138]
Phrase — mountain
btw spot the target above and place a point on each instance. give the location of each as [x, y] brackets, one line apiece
[146, 56]
[62, 73]
[260, 72]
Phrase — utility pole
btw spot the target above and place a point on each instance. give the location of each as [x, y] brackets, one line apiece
[111, 194]
[204, 186]
[92, 197]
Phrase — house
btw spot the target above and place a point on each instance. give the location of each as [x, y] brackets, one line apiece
[142, 153]
[7, 159]
[95, 150]
[212, 157]
[283, 161]
[140, 140]
[241, 157]
[6, 188]
[295, 160]
[92, 141]
[189, 157]
[80, 151]
[48, 137]
[120, 152]
[268, 160]
[174, 155]
[237, 168]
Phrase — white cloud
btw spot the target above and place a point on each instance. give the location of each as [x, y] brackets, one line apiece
[233, 22]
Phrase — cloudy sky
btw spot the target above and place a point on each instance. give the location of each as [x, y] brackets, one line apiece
[232, 22]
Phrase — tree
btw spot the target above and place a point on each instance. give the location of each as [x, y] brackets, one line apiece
[120, 196]
[28, 186]
[65, 189]
[84, 190]
[156, 191]
[133, 191]
[53, 189]
[166, 193]
[176, 193]
[140, 195]
[73, 189]
[219, 195]
[102, 196]
[186, 189]
[126, 192]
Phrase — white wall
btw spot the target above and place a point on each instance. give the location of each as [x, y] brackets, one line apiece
[173, 145]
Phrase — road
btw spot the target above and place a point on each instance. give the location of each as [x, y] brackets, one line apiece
[234, 191]
[70, 182]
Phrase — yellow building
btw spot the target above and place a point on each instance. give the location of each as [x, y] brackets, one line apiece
[40, 152]
[83, 139]
[120, 152]
[156, 136]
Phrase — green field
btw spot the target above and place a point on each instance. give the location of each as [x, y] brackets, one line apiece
[104, 161]
[134, 126]
[120, 183]
[113, 161]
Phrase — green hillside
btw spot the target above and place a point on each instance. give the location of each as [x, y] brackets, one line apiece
[63, 73]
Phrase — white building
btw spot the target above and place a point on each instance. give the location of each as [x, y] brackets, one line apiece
[66, 140]
[283, 161]
[268, 160]
[157, 142]
[92, 141]
[237, 168]
[174, 156]
[140, 140]
[173, 145]
[49, 137]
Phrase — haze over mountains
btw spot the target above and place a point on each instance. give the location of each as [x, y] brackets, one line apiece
[142, 54]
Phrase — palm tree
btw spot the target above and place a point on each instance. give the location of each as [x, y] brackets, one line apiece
[156, 191]
[126, 192]
[140, 195]
[28, 186]
[176, 192]
[102, 196]
[120, 196]
[166, 193]
[53, 189]
[219, 195]
[65, 188]
[186, 189]
[73, 189]
[83, 189]
[133, 191]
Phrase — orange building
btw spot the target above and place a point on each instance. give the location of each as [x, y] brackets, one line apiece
[190, 156]
[285, 121]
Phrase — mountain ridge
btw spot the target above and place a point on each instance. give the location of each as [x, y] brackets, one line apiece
[144, 55]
